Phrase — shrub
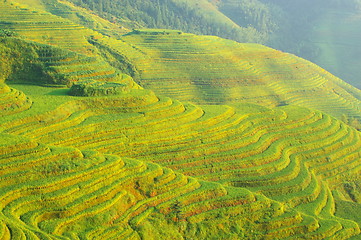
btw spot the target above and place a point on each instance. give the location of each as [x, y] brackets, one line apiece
[6, 33]
[94, 88]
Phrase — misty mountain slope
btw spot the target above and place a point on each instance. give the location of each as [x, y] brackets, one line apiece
[294, 27]
[337, 36]
[324, 32]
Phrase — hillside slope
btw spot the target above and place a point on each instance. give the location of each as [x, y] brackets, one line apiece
[226, 71]
[211, 70]
[199, 17]
[63, 193]
[69, 11]
[85, 153]
[320, 31]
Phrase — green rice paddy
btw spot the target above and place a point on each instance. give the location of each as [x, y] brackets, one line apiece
[220, 140]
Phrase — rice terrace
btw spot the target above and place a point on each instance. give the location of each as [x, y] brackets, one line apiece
[123, 127]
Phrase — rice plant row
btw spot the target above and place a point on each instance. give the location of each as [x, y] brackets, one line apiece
[284, 153]
[12, 101]
[66, 197]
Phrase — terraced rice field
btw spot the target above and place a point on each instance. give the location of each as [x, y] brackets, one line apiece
[210, 70]
[12, 101]
[43, 27]
[142, 165]
[75, 14]
[61, 198]
[71, 67]
[293, 155]
[226, 72]
[64, 49]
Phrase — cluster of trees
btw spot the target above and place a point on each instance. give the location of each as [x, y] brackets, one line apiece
[20, 62]
[15, 56]
[173, 14]
[251, 13]
[93, 88]
[352, 121]
[6, 33]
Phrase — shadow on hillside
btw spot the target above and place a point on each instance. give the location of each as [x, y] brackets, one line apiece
[59, 92]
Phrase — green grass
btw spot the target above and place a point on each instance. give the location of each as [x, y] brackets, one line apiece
[346, 208]
[44, 99]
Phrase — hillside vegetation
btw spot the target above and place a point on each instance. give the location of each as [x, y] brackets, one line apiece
[200, 17]
[160, 134]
